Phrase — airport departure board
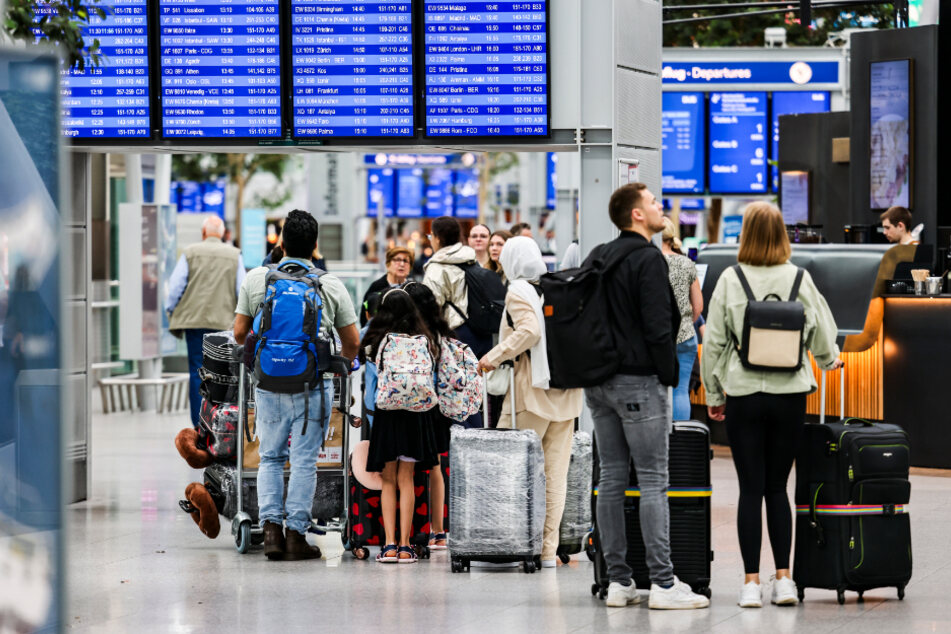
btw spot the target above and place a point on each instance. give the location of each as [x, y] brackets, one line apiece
[682, 133]
[220, 68]
[738, 129]
[486, 68]
[110, 101]
[352, 67]
[785, 103]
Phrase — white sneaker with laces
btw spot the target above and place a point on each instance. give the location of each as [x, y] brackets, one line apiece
[620, 596]
[677, 597]
[785, 592]
[751, 596]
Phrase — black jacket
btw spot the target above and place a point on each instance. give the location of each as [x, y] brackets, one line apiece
[645, 320]
[377, 286]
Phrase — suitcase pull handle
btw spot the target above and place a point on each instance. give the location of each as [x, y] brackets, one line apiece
[859, 421]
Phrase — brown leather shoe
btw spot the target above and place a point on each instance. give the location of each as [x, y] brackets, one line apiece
[298, 548]
[274, 546]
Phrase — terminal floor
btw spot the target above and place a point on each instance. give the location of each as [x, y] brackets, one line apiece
[138, 564]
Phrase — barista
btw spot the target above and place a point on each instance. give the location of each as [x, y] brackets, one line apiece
[896, 223]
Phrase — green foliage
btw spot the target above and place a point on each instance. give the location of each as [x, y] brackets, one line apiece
[60, 29]
[748, 31]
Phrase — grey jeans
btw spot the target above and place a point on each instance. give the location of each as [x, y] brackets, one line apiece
[631, 422]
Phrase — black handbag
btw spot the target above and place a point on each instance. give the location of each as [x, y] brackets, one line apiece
[773, 329]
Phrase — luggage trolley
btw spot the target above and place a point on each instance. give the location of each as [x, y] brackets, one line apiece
[243, 529]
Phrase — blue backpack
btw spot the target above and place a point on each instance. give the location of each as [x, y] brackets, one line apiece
[289, 356]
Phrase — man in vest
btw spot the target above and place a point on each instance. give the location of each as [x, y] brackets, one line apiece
[202, 294]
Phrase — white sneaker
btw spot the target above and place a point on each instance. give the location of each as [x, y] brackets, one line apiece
[751, 596]
[549, 563]
[677, 597]
[620, 596]
[784, 592]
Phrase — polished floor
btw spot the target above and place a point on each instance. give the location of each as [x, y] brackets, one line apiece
[138, 564]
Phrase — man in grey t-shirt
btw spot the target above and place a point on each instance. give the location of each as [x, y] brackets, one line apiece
[279, 415]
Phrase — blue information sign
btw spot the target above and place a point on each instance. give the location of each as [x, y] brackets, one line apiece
[409, 187]
[352, 64]
[467, 194]
[109, 101]
[780, 72]
[220, 68]
[737, 142]
[439, 193]
[486, 68]
[793, 103]
[682, 128]
[551, 180]
[380, 184]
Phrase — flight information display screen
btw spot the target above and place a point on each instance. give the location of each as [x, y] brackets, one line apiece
[486, 68]
[682, 128]
[110, 101]
[220, 68]
[793, 103]
[737, 142]
[352, 67]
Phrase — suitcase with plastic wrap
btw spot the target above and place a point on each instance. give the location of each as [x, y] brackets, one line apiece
[853, 531]
[689, 491]
[576, 520]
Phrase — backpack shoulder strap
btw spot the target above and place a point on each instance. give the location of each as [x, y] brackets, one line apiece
[796, 284]
[618, 258]
[745, 284]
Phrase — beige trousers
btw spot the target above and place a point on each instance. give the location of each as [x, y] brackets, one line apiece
[556, 443]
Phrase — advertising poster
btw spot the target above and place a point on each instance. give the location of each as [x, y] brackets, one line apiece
[890, 157]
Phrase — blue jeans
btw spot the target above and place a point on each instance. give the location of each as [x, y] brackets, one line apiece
[630, 423]
[193, 340]
[277, 417]
[686, 355]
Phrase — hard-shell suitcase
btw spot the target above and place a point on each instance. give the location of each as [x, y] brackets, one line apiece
[365, 527]
[689, 494]
[497, 495]
[853, 531]
[576, 519]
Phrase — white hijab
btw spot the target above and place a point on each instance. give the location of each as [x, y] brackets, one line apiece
[522, 263]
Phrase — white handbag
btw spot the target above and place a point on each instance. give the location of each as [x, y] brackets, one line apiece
[497, 380]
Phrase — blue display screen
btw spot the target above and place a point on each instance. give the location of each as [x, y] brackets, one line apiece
[409, 187]
[551, 180]
[380, 185]
[110, 101]
[486, 68]
[793, 103]
[683, 143]
[220, 68]
[467, 194]
[352, 65]
[737, 142]
[439, 193]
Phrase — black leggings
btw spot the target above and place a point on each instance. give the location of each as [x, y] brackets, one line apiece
[765, 431]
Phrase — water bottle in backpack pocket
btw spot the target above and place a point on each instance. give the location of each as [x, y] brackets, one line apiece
[405, 374]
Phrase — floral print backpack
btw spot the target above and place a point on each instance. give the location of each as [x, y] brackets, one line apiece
[458, 381]
[405, 370]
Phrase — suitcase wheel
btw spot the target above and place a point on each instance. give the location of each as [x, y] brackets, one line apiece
[705, 591]
[840, 596]
[802, 594]
[528, 566]
[564, 558]
[901, 593]
[242, 539]
[457, 565]
[595, 588]
[361, 553]
[861, 596]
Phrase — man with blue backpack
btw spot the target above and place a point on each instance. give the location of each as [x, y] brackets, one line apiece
[288, 312]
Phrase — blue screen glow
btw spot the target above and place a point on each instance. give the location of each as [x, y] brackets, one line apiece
[352, 65]
[221, 68]
[737, 142]
[486, 68]
[439, 193]
[683, 142]
[467, 194]
[409, 188]
[380, 186]
[793, 103]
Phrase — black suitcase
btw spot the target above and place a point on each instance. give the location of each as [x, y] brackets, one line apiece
[853, 531]
[689, 494]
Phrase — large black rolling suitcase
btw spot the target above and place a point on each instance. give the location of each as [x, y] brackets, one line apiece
[689, 494]
[853, 531]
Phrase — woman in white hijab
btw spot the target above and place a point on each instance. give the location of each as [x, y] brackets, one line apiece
[550, 412]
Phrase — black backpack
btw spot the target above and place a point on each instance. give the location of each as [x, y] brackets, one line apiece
[486, 298]
[582, 351]
[773, 329]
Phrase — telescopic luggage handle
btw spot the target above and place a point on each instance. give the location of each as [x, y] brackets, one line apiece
[822, 395]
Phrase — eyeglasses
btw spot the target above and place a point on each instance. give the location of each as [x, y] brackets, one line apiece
[400, 260]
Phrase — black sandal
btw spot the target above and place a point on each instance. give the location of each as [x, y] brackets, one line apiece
[383, 557]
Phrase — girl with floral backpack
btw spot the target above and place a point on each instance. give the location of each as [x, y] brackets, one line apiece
[402, 438]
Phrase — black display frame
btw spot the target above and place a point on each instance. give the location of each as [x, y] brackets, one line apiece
[911, 130]
[767, 132]
[483, 139]
[382, 141]
[215, 141]
[774, 169]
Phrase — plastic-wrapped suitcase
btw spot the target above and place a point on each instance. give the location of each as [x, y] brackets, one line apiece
[576, 520]
[365, 526]
[497, 495]
[220, 480]
[218, 425]
[853, 531]
[689, 492]
[219, 371]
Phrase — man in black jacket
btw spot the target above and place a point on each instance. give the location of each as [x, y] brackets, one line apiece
[630, 410]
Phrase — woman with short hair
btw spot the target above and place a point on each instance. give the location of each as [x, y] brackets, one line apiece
[399, 263]
[764, 410]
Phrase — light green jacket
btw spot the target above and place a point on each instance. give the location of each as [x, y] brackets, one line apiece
[720, 366]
